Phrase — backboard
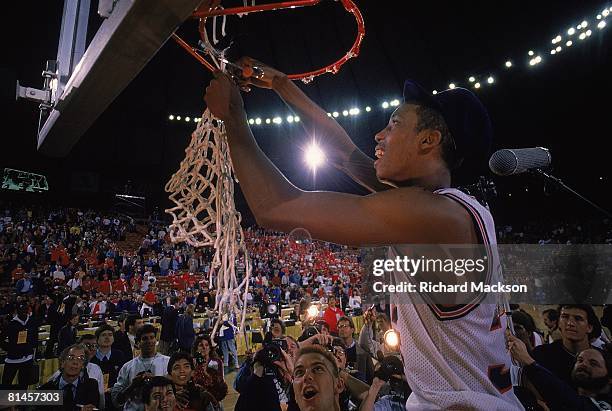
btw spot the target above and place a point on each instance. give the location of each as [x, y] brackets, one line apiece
[85, 86]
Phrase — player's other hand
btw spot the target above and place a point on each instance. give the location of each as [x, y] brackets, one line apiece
[223, 98]
[257, 73]
[518, 350]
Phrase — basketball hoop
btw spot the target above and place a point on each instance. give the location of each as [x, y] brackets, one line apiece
[214, 9]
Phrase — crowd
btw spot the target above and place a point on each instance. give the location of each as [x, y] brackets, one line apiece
[64, 267]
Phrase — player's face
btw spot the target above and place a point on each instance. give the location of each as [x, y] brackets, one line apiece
[574, 325]
[397, 146]
[314, 384]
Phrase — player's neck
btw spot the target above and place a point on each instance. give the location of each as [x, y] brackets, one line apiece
[574, 347]
[438, 178]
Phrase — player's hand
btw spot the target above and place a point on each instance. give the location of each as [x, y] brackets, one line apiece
[257, 73]
[518, 350]
[223, 98]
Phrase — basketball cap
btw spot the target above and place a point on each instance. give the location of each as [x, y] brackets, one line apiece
[467, 120]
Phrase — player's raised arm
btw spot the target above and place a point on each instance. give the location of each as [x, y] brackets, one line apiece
[339, 147]
[405, 215]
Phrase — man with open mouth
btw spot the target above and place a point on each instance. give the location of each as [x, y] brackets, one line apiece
[316, 382]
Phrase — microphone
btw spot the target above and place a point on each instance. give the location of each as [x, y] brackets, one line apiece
[508, 162]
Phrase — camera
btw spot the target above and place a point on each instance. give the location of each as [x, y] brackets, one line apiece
[281, 343]
[389, 366]
[270, 353]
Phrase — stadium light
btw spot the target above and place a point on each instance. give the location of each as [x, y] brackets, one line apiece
[314, 156]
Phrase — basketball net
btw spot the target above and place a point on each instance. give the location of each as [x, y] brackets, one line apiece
[205, 215]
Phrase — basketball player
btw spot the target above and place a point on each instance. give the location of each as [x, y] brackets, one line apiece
[455, 357]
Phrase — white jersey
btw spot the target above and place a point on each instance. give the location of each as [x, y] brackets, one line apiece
[455, 357]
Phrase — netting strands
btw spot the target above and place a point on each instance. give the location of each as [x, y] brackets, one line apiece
[205, 215]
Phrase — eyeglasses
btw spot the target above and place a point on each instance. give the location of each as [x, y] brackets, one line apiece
[91, 345]
[343, 326]
[80, 358]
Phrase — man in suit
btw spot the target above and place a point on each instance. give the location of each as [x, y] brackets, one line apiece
[125, 339]
[68, 333]
[79, 392]
[168, 330]
[48, 315]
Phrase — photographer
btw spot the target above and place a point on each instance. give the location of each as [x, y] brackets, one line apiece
[268, 385]
[390, 370]
[208, 367]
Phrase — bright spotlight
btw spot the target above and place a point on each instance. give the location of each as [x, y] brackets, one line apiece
[571, 31]
[588, 33]
[335, 114]
[582, 36]
[601, 25]
[345, 113]
[170, 117]
[477, 85]
[531, 53]
[277, 120]
[605, 13]
[558, 49]
[392, 338]
[394, 103]
[312, 312]
[368, 109]
[472, 79]
[508, 64]
[354, 111]
[289, 119]
[490, 80]
[434, 92]
[451, 86]
[584, 23]
[178, 117]
[296, 119]
[328, 114]
[187, 119]
[268, 121]
[569, 43]
[314, 156]
[257, 120]
[553, 51]
[385, 104]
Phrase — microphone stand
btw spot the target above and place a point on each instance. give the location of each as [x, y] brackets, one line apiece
[557, 181]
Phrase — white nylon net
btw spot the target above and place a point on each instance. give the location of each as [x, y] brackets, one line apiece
[205, 215]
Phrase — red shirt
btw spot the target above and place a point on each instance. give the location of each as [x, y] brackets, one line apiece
[331, 317]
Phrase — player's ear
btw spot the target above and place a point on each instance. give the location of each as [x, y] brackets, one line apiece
[430, 138]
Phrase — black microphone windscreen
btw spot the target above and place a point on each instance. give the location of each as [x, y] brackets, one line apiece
[515, 161]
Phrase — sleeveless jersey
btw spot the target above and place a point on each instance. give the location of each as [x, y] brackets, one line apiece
[455, 358]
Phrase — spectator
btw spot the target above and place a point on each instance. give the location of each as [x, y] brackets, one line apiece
[208, 368]
[227, 341]
[158, 395]
[189, 395]
[148, 362]
[356, 357]
[109, 360]
[184, 329]
[372, 332]
[68, 333]
[551, 320]
[332, 314]
[576, 323]
[125, 340]
[168, 330]
[19, 339]
[590, 375]
[316, 382]
[79, 393]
